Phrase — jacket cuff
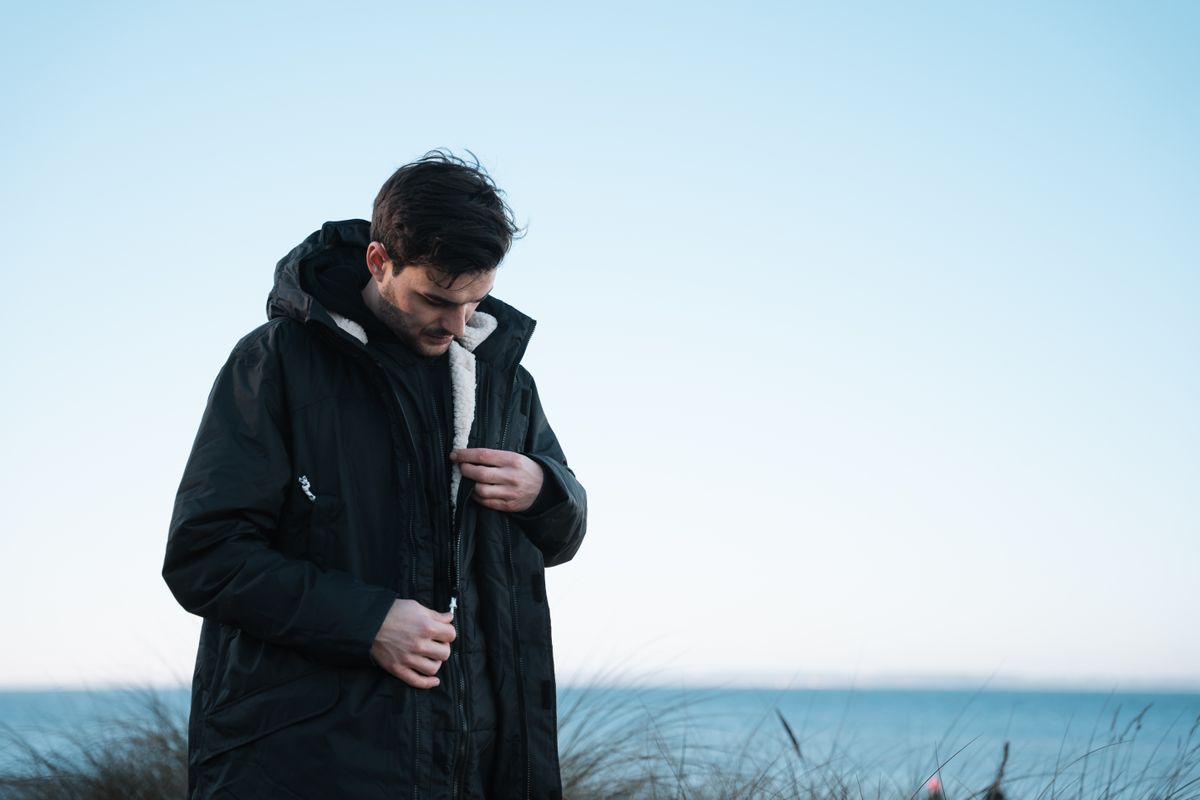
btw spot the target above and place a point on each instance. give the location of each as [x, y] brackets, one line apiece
[380, 607]
[558, 529]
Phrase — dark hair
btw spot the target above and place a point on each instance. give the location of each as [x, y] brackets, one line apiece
[443, 212]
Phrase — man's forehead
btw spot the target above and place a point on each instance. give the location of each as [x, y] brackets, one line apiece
[463, 283]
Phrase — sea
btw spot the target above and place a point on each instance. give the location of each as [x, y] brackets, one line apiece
[878, 742]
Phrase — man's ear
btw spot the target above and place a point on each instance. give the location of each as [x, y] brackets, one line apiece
[377, 260]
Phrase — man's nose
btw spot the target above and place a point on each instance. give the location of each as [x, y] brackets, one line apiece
[455, 320]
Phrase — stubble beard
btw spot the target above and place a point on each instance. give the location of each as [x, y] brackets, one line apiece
[404, 328]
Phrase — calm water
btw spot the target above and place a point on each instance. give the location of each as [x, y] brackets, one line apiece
[889, 738]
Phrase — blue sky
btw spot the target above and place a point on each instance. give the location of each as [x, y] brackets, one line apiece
[872, 331]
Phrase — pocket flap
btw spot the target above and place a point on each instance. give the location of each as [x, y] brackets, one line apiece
[267, 710]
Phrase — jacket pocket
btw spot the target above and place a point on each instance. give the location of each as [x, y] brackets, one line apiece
[265, 711]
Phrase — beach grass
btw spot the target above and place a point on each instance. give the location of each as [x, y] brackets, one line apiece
[615, 745]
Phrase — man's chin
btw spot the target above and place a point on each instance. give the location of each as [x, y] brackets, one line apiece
[433, 345]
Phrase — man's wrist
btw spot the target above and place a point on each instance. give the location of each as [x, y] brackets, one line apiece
[551, 493]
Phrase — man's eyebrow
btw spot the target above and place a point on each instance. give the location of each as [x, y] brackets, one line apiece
[450, 301]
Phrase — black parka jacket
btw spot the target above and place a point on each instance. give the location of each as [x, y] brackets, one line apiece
[294, 530]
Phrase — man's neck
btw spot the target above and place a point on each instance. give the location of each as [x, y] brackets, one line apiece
[378, 318]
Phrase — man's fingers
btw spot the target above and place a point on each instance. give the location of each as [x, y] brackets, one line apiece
[439, 632]
[415, 680]
[414, 642]
[489, 491]
[496, 503]
[481, 474]
[421, 665]
[483, 455]
[440, 626]
[436, 650]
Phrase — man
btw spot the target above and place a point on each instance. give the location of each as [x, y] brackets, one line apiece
[365, 517]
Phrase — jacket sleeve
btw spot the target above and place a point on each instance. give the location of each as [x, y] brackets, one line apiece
[223, 560]
[556, 530]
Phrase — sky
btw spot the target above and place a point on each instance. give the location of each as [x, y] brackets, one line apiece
[870, 328]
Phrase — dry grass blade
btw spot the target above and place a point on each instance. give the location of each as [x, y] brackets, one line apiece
[790, 734]
[993, 792]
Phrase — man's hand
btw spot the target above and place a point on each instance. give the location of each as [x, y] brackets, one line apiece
[504, 481]
[413, 642]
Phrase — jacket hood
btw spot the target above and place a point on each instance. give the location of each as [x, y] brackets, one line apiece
[318, 281]
[322, 274]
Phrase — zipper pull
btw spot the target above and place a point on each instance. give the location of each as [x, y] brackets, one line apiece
[306, 487]
[453, 603]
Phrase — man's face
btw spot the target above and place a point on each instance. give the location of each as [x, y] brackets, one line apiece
[426, 308]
